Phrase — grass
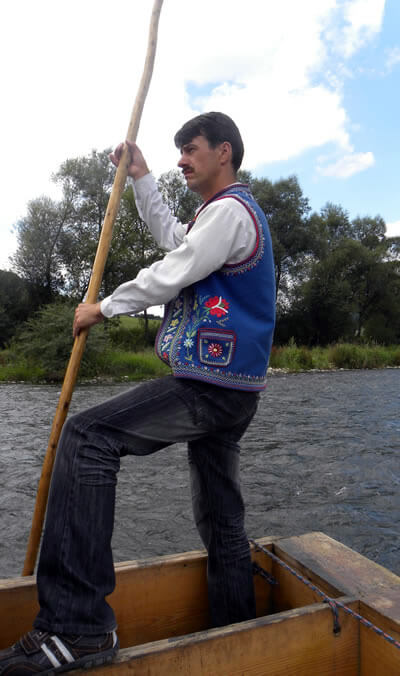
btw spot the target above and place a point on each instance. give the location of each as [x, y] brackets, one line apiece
[119, 364]
[113, 364]
[21, 372]
[341, 356]
[124, 365]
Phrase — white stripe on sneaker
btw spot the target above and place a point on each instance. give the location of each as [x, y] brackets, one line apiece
[63, 649]
[50, 656]
[114, 638]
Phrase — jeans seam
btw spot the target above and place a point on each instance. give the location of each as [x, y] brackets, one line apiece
[63, 594]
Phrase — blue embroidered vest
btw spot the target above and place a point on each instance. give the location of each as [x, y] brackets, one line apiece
[220, 329]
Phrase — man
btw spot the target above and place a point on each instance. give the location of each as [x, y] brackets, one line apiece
[217, 279]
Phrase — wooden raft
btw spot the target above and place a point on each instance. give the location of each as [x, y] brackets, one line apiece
[161, 609]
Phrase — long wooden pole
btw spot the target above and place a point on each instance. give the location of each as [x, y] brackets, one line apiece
[93, 290]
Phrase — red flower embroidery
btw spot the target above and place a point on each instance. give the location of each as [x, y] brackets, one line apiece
[218, 306]
[215, 349]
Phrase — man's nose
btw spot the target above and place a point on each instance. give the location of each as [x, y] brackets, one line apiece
[182, 161]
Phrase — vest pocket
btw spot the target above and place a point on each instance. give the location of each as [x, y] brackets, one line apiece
[215, 346]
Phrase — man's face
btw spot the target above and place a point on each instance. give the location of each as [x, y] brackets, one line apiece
[201, 166]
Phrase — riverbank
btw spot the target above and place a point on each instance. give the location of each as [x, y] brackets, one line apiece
[116, 365]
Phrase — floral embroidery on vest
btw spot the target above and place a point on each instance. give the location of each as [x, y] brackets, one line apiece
[172, 327]
[218, 306]
[202, 309]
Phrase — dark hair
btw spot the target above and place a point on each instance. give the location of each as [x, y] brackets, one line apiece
[216, 128]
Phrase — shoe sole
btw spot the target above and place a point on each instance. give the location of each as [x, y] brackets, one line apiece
[84, 662]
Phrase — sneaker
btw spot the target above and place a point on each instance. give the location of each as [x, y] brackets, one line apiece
[41, 652]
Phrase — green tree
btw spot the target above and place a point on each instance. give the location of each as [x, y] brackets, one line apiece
[15, 304]
[382, 323]
[38, 259]
[293, 239]
[133, 248]
[348, 289]
[371, 232]
[181, 201]
[86, 183]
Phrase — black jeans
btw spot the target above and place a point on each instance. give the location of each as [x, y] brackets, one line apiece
[76, 569]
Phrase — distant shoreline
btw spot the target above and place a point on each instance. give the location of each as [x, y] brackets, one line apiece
[109, 380]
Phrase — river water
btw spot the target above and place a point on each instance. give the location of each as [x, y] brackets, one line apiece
[321, 454]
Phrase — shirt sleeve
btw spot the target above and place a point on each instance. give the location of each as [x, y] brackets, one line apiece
[223, 233]
[165, 228]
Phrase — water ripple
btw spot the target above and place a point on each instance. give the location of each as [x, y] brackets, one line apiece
[321, 454]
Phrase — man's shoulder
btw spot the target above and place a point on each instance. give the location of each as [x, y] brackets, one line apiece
[229, 206]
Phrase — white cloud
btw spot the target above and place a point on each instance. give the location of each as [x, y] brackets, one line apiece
[67, 91]
[348, 165]
[393, 229]
[305, 119]
[392, 58]
[363, 22]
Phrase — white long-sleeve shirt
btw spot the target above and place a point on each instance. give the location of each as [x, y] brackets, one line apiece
[223, 233]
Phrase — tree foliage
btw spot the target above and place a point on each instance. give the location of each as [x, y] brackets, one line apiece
[353, 286]
[86, 184]
[15, 304]
[181, 201]
[38, 258]
[287, 210]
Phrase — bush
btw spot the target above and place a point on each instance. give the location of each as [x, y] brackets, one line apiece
[321, 358]
[350, 356]
[347, 356]
[277, 358]
[128, 333]
[343, 355]
[376, 357]
[304, 358]
[45, 341]
[395, 357]
[291, 357]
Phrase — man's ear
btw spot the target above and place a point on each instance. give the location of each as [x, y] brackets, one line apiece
[226, 152]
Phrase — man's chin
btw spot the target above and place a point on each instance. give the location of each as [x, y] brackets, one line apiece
[191, 183]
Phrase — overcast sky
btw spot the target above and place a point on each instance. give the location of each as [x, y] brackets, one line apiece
[314, 87]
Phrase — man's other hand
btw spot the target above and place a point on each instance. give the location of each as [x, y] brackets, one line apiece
[86, 315]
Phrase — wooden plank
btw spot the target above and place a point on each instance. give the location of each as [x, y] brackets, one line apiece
[159, 598]
[295, 643]
[289, 592]
[18, 608]
[154, 598]
[166, 597]
[262, 589]
[322, 558]
[378, 656]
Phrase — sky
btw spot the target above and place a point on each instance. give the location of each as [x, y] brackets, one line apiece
[314, 87]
